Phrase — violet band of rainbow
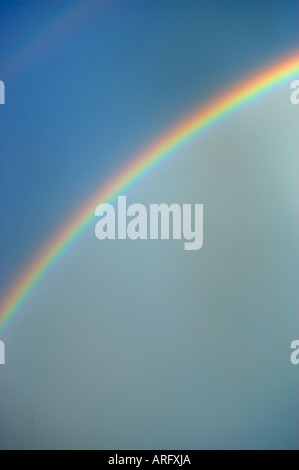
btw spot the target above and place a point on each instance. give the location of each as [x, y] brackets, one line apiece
[253, 88]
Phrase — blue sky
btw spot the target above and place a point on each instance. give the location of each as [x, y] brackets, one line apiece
[88, 85]
[86, 99]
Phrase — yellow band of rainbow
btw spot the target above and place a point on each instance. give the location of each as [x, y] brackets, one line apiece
[252, 88]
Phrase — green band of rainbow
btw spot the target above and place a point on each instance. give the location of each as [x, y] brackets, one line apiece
[253, 88]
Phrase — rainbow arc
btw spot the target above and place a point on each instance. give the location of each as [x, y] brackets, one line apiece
[253, 88]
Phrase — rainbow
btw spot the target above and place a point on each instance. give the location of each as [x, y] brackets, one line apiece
[222, 107]
[48, 36]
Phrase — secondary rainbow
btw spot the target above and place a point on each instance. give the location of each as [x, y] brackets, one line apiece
[256, 86]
